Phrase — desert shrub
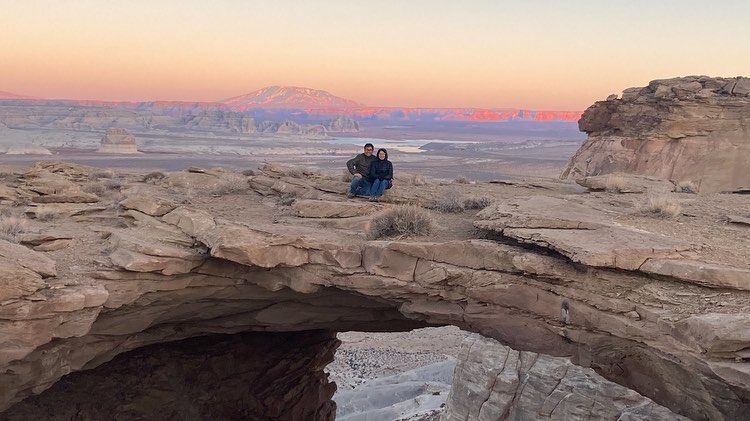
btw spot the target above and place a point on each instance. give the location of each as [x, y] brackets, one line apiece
[477, 202]
[95, 188]
[461, 180]
[401, 221]
[450, 202]
[11, 227]
[96, 175]
[414, 179]
[346, 176]
[686, 187]
[44, 214]
[287, 198]
[113, 184]
[616, 184]
[248, 173]
[662, 205]
[153, 177]
[230, 183]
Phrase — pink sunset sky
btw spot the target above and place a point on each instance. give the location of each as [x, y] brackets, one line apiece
[543, 54]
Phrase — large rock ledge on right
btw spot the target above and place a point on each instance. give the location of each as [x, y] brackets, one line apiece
[693, 129]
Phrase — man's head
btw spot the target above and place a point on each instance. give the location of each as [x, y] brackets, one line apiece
[368, 149]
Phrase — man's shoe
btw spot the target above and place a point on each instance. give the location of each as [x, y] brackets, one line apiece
[349, 195]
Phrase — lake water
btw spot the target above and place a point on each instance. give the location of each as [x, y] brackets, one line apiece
[411, 145]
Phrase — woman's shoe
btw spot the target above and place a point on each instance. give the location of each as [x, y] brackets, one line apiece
[372, 199]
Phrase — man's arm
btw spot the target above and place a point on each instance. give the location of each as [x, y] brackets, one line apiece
[350, 164]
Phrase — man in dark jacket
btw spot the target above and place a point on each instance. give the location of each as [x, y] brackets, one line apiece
[359, 167]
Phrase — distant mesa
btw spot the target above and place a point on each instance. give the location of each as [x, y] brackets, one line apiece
[27, 150]
[8, 95]
[694, 129]
[288, 97]
[342, 124]
[118, 141]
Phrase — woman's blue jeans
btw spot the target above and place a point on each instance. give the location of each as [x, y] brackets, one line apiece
[378, 187]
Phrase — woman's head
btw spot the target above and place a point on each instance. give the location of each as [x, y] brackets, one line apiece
[382, 154]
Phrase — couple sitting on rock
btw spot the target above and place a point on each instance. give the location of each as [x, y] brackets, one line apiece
[372, 174]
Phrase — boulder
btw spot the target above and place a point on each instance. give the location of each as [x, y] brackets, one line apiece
[683, 129]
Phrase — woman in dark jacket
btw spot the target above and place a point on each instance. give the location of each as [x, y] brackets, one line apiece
[381, 174]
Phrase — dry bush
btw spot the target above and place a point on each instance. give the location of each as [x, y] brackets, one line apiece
[95, 188]
[413, 179]
[450, 202]
[11, 227]
[287, 198]
[230, 183]
[686, 187]
[248, 173]
[95, 176]
[153, 177]
[461, 180]
[46, 214]
[113, 184]
[401, 221]
[662, 205]
[616, 184]
[477, 202]
[346, 176]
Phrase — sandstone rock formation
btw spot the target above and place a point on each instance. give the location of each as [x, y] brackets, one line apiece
[220, 120]
[656, 306]
[342, 124]
[683, 129]
[494, 382]
[118, 141]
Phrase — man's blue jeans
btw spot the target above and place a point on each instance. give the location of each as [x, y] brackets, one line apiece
[378, 187]
[360, 186]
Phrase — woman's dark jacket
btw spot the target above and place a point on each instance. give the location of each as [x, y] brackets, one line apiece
[381, 170]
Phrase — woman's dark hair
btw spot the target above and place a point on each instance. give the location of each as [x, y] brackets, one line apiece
[382, 149]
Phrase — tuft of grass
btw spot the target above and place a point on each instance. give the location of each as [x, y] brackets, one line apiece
[662, 205]
[616, 184]
[248, 173]
[401, 221]
[46, 214]
[477, 202]
[113, 184]
[153, 177]
[287, 198]
[450, 202]
[95, 176]
[230, 183]
[95, 188]
[11, 227]
[461, 180]
[686, 187]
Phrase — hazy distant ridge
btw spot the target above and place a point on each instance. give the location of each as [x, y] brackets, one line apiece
[288, 102]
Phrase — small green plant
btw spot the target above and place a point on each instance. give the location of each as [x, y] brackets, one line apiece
[153, 177]
[248, 173]
[401, 221]
[450, 202]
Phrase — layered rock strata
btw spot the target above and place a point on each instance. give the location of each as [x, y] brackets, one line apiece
[118, 141]
[551, 274]
[494, 382]
[692, 128]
